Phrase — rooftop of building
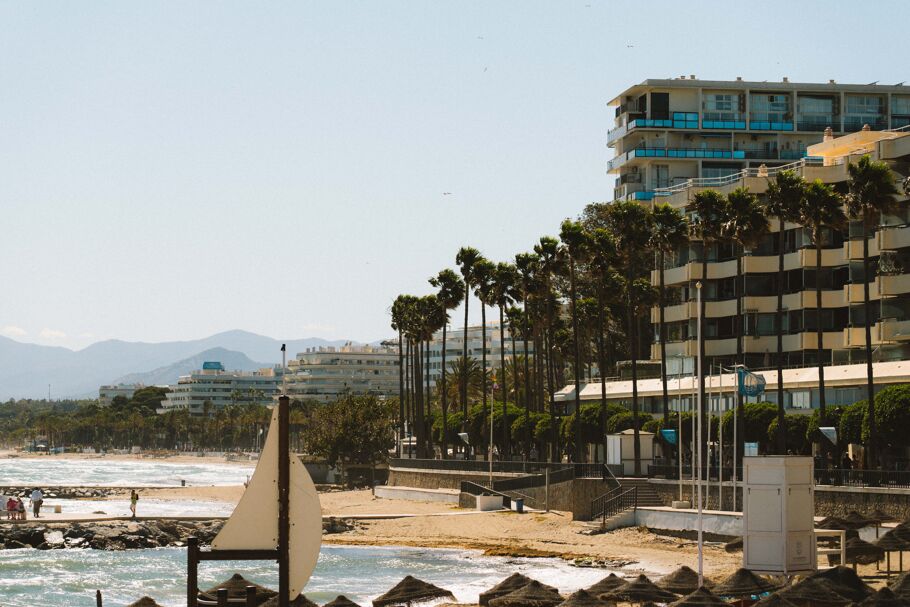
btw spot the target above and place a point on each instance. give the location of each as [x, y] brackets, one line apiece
[349, 348]
[740, 84]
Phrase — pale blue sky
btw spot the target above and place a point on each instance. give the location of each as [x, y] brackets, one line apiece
[173, 169]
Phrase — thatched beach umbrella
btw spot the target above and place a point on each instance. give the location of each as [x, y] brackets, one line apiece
[844, 581]
[606, 585]
[884, 597]
[861, 552]
[834, 523]
[901, 585]
[533, 594]
[743, 584]
[583, 598]
[859, 521]
[813, 592]
[341, 601]
[508, 585]
[701, 597]
[639, 590]
[236, 587]
[410, 590]
[893, 542]
[145, 601]
[879, 515]
[683, 581]
[300, 601]
[774, 600]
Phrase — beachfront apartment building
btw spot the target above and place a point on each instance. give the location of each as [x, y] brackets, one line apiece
[455, 347]
[327, 373]
[881, 131]
[107, 394]
[669, 131]
[213, 387]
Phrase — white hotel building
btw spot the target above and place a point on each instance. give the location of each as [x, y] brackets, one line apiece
[220, 388]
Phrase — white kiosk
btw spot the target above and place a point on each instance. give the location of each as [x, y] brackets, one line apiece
[621, 450]
[778, 515]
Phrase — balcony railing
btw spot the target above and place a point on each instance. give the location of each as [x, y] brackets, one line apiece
[674, 152]
[768, 125]
[714, 182]
[856, 123]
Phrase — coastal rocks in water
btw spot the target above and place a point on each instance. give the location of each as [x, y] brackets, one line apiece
[336, 525]
[107, 535]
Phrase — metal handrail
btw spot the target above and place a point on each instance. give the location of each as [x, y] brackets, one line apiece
[622, 501]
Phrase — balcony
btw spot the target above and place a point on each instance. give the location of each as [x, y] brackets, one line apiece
[853, 249]
[768, 125]
[857, 122]
[722, 153]
[895, 330]
[853, 293]
[817, 123]
[855, 337]
[692, 271]
[893, 237]
[689, 347]
[892, 285]
[728, 121]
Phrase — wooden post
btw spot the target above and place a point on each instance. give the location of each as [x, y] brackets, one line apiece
[284, 514]
[192, 571]
[222, 597]
[251, 596]
[98, 602]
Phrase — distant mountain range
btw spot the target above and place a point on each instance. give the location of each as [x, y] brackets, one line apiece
[27, 369]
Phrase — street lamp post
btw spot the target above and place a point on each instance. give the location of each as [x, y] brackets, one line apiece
[701, 575]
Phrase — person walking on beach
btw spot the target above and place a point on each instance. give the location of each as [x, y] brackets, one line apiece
[37, 499]
[20, 509]
[11, 508]
[134, 497]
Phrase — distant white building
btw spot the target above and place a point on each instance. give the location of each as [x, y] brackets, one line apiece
[455, 345]
[328, 373]
[106, 394]
[220, 388]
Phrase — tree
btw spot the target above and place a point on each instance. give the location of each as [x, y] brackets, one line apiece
[550, 262]
[669, 231]
[821, 210]
[527, 265]
[892, 414]
[352, 430]
[575, 245]
[707, 224]
[783, 200]
[466, 258]
[746, 225]
[502, 291]
[871, 194]
[484, 276]
[450, 292]
[630, 226]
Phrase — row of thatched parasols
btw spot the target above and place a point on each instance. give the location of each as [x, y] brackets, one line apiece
[861, 552]
[836, 587]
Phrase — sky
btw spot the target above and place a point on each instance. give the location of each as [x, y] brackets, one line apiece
[169, 170]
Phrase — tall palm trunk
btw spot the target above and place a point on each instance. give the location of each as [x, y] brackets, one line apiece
[505, 391]
[779, 322]
[401, 395]
[408, 397]
[633, 351]
[527, 380]
[702, 350]
[739, 292]
[869, 454]
[483, 358]
[602, 365]
[418, 401]
[429, 401]
[577, 366]
[444, 399]
[464, 356]
[554, 426]
[662, 338]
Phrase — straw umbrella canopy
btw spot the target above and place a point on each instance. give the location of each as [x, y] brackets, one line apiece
[881, 516]
[236, 587]
[901, 585]
[774, 600]
[813, 591]
[702, 597]
[862, 552]
[833, 522]
[859, 521]
[583, 598]
[639, 590]
[411, 590]
[508, 585]
[885, 597]
[341, 601]
[300, 601]
[606, 585]
[145, 601]
[743, 584]
[844, 581]
[683, 581]
[533, 594]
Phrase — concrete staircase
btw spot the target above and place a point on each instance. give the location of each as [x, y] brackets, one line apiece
[647, 496]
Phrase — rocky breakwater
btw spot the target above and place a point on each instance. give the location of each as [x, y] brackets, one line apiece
[63, 492]
[120, 534]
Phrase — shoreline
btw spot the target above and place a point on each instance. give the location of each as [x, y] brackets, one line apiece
[158, 457]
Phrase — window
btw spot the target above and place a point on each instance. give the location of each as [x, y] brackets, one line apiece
[801, 399]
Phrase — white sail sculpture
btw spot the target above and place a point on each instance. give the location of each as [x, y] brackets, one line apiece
[254, 523]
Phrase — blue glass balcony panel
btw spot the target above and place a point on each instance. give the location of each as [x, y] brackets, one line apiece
[763, 125]
[723, 124]
[687, 153]
[643, 195]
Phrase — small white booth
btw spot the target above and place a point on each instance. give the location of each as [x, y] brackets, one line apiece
[778, 515]
[621, 450]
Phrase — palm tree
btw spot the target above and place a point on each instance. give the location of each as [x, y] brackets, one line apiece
[669, 231]
[746, 226]
[466, 258]
[630, 224]
[503, 289]
[527, 265]
[547, 249]
[708, 210]
[398, 316]
[871, 194]
[450, 293]
[484, 276]
[433, 317]
[821, 210]
[784, 198]
[575, 245]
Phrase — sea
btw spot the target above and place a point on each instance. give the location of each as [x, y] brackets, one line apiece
[70, 577]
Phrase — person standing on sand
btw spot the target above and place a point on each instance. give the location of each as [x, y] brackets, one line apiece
[20, 509]
[37, 499]
[134, 497]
